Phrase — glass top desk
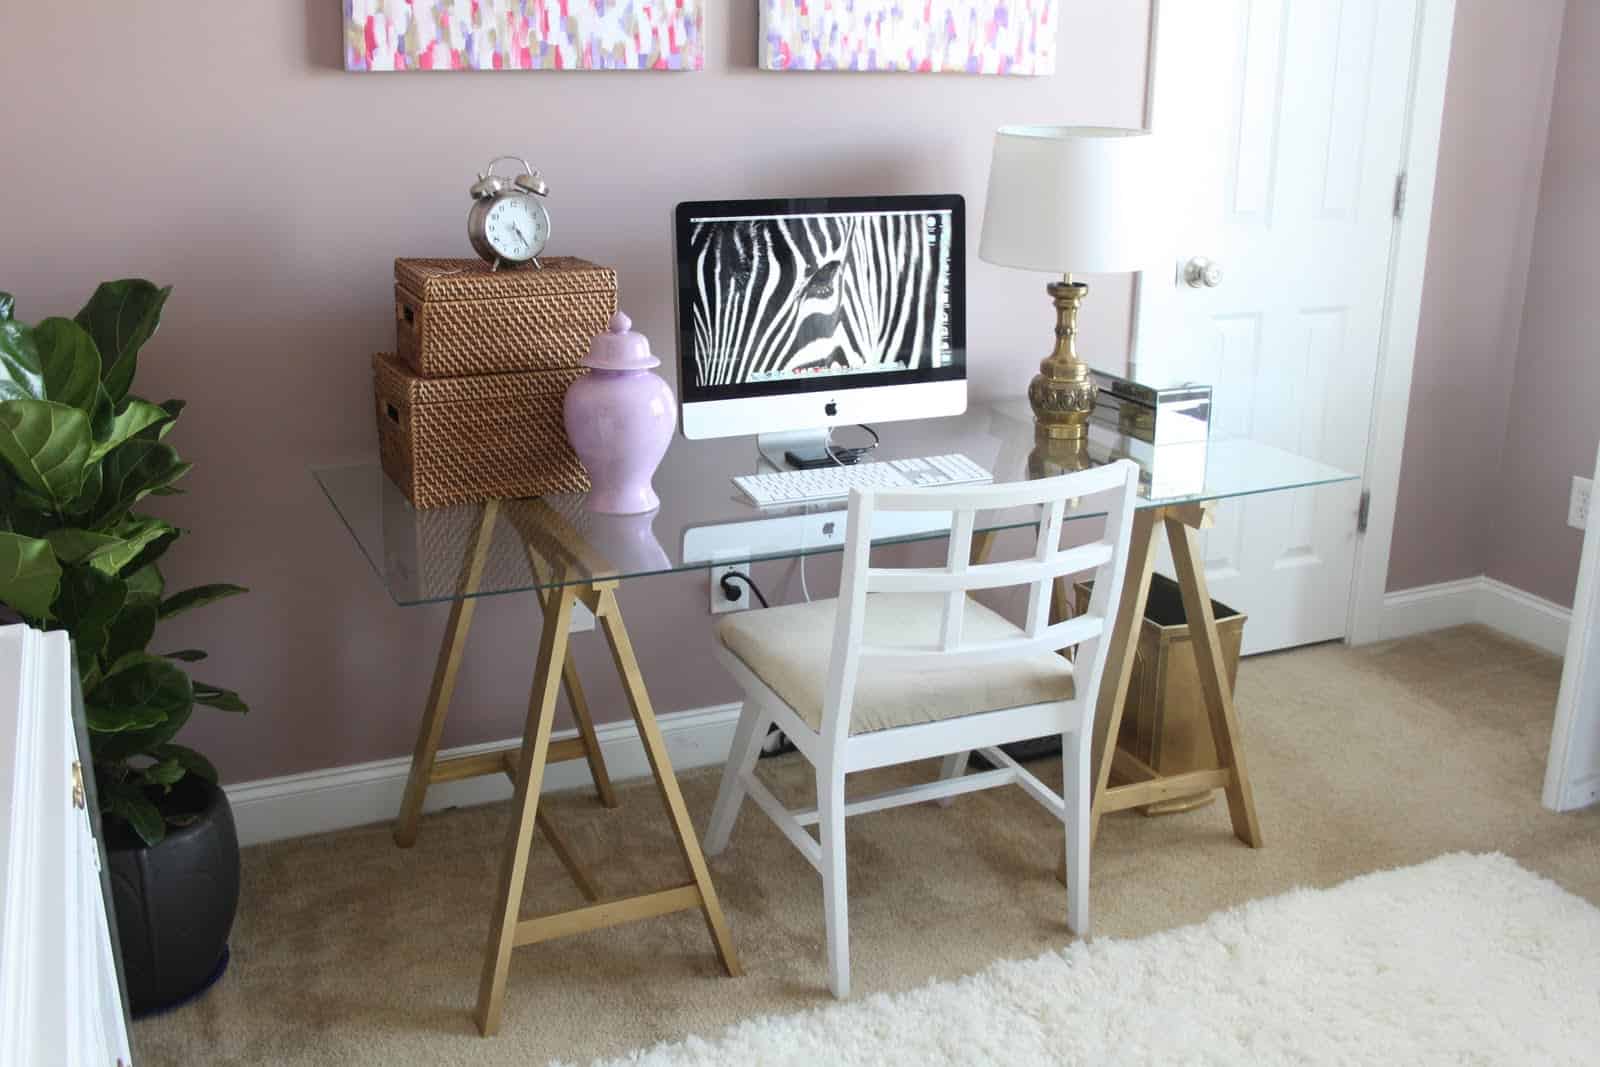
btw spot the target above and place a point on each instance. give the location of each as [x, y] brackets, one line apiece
[420, 555]
[566, 556]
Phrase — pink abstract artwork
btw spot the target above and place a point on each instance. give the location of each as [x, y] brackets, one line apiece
[523, 35]
[931, 36]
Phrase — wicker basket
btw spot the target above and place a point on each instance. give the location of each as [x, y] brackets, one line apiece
[495, 436]
[455, 317]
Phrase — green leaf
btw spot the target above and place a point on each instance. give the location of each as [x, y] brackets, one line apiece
[164, 772]
[153, 552]
[7, 304]
[199, 596]
[21, 374]
[112, 748]
[221, 699]
[130, 633]
[173, 408]
[121, 316]
[135, 417]
[130, 539]
[22, 510]
[70, 361]
[47, 445]
[29, 575]
[192, 761]
[72, 545]
[141, 693]
[186, 655]
[145, 585]
[126, 801]
[109, 552]
[129, 474]
[88, 604]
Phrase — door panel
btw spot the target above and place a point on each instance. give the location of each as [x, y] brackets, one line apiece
[1282, 126]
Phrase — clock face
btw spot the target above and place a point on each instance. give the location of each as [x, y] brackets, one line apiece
[517, 228]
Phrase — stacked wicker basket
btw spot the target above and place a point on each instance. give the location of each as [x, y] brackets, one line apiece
[469, 406]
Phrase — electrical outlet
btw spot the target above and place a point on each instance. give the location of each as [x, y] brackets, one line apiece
[1578, 505]
[582, 619]
[720, 604]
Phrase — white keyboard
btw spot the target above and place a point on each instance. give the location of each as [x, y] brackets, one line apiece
[831, 483]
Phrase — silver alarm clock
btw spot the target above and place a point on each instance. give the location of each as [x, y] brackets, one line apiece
[508, 223]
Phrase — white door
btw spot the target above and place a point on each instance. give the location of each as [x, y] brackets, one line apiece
[1282, 125]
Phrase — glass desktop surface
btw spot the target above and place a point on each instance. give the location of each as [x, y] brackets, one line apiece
[423, 555]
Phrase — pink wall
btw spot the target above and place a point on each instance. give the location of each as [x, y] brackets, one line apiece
[1502, 67]
[219, 148]
[227, 154]
[1554, 418]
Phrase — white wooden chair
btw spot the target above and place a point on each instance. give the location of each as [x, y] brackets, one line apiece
[904, 666]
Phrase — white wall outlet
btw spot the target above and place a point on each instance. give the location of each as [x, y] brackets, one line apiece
[582, 619]
[720, 603]
[1578, 505]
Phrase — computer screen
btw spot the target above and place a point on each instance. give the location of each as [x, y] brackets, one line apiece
[788, 296]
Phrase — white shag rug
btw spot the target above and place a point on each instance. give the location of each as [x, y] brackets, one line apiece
[1464, 959]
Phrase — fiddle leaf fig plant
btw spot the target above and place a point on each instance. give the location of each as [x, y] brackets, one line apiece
[78, 451]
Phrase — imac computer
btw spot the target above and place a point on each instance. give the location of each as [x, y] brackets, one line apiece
[799, 315]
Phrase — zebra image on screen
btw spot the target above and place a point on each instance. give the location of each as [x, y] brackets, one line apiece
[779, 297]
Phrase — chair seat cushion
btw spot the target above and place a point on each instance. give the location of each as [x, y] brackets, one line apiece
[789, 648]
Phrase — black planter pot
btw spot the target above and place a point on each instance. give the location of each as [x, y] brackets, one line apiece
[176, 902]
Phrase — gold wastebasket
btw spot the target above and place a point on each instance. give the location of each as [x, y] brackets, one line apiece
[1164, 722]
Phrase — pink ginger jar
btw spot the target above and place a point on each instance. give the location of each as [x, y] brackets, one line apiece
[620, 419]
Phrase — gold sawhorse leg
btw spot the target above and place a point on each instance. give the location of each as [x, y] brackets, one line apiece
[426, 767]
[1181, 523]
[508, 929]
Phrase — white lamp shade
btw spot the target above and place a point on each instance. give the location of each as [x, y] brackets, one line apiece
[1071, 198]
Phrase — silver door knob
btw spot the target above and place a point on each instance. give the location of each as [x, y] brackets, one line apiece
[1201, 271]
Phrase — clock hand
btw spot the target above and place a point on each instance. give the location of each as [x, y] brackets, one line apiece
[522, 235]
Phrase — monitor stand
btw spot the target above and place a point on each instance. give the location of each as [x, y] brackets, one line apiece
[810, 445]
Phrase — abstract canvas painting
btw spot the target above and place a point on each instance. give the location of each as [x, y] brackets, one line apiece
[952, 36]
[523, 35]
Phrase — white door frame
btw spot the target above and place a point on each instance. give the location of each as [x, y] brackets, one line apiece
[1408, 255]
[1572, 775]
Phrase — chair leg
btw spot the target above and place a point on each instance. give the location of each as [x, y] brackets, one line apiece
[954, 766]
[1075, 791]
[747, 738]
[835, 895]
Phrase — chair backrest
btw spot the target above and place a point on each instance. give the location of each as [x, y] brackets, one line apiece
[1110, 490]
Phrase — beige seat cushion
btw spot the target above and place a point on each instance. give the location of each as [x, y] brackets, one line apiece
[789, 648]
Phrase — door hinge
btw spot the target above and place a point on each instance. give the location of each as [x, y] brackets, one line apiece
[1400, 194]
[1363, 511]
[79, 799]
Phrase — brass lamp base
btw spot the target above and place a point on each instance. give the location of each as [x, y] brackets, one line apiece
[1057, 455]
[1061, 393]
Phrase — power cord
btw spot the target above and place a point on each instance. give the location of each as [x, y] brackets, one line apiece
[731, 590]
[845, 456]
[776, 742]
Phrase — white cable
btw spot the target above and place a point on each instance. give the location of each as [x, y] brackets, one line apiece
[803, 590]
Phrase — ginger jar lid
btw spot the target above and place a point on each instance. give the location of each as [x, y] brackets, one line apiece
[620, 348]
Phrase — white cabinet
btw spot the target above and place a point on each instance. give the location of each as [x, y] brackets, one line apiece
[60, 1001]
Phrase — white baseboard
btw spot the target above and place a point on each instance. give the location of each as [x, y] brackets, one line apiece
[339, 797]
[1483, 600]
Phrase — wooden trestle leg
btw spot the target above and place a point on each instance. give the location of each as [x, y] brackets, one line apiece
[508, 930]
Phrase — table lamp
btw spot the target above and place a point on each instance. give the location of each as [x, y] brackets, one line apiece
[1067, 199]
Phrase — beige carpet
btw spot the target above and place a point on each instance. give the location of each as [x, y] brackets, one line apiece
[350, 951]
